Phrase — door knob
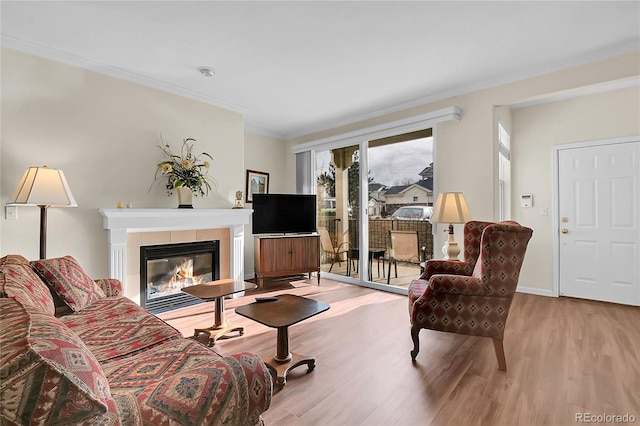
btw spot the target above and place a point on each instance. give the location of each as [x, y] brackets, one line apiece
[565, 231]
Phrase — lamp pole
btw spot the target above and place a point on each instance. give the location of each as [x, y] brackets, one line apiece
[43, 231]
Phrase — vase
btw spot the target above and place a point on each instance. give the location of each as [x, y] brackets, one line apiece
[185, 197]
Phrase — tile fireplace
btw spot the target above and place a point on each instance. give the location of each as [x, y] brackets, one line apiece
[129, 229]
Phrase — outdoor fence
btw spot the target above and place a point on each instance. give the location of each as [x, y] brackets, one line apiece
[379, 232]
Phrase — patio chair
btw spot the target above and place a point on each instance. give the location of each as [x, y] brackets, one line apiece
[452, 297]
[404, 248]
[329, 248]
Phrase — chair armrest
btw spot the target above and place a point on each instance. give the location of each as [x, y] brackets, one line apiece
[112, 287]
[450, 267]
[340, 248]
[457, 284]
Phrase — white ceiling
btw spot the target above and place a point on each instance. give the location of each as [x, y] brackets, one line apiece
[293, 68]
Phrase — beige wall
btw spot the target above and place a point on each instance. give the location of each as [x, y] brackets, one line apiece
[266, 154]
[536, 130]
[465, 150]
[103, 133]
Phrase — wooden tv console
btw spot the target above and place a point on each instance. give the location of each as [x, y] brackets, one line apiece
[282, 255]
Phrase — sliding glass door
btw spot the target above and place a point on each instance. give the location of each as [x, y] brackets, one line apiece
[400, 200]
[338, 188]
[361, 190]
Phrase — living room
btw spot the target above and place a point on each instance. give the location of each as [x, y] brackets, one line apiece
[103, 131]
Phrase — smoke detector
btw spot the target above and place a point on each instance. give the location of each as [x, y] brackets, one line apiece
[207, 72]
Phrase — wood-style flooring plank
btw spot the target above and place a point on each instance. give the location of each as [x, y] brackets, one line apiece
[564, 356]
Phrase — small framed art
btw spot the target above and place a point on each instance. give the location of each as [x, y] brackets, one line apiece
[257, 183]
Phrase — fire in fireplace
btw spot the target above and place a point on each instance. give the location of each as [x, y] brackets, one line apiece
[166, 269]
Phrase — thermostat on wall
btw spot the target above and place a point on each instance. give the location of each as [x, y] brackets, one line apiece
[526, 200]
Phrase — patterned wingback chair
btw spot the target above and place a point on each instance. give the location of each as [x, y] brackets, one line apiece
[471, 297]
[472, 234]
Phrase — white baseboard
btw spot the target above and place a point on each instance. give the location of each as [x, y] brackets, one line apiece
[534, 290]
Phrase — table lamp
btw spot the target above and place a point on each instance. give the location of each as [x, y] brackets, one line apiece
[450, 208]
[43, 187]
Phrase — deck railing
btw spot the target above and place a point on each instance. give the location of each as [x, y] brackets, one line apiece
[379, 232]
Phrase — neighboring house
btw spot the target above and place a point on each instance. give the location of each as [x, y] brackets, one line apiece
[376, 208]
[376, 191]
[420, 192]
[384, 200]
[376, 204]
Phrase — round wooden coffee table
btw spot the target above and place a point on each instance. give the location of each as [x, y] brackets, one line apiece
[280, 314]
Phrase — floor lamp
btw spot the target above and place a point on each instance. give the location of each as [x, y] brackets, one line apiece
[43, 187]
[450, 208]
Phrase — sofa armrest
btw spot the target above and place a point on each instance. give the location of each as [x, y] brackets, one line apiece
[112, 287]
[259, 384]
[457, 284]
[450, 267]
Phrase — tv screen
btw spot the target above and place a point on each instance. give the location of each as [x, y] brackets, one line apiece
[284, 213]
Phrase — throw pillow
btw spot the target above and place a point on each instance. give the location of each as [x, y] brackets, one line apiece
[18, 280]
[69, 281]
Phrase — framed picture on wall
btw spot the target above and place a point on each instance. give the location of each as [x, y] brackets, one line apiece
[257, 183]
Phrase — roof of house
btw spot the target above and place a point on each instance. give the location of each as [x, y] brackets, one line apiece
[373, 186]
[427, 171]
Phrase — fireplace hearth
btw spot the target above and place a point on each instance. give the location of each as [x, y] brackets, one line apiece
[166, 269]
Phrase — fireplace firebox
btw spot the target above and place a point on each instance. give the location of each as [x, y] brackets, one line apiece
[166, 269]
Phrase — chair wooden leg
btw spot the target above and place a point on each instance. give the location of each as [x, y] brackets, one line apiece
[499, 349]
[416, 342]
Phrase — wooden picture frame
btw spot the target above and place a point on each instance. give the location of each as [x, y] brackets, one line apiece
[257, 183]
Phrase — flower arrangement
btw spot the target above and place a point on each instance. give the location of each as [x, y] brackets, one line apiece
[185, 170]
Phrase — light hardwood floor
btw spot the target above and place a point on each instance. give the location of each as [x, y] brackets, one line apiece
[564, 356]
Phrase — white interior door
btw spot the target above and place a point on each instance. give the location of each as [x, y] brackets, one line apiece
[599, 230]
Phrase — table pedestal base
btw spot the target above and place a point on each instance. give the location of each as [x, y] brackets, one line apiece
[208, 336]
[220, 328]
[282, 368]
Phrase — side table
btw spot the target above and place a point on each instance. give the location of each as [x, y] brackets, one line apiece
[217, 291]
[282, 313]
[374, 253]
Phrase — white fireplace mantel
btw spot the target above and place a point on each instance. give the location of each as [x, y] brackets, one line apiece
[120, 222]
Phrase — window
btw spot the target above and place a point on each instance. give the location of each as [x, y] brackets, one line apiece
[504, 170]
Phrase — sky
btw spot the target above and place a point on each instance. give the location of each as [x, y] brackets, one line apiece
[391, 164]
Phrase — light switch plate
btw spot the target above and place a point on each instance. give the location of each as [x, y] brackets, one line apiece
[10, 212]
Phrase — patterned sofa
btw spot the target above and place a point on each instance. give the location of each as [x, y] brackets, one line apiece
[104, 360]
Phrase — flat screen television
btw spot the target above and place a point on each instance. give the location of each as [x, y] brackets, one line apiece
[284, 213]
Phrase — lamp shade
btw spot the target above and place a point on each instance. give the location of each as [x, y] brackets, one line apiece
[450, 208]
[42, 186]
